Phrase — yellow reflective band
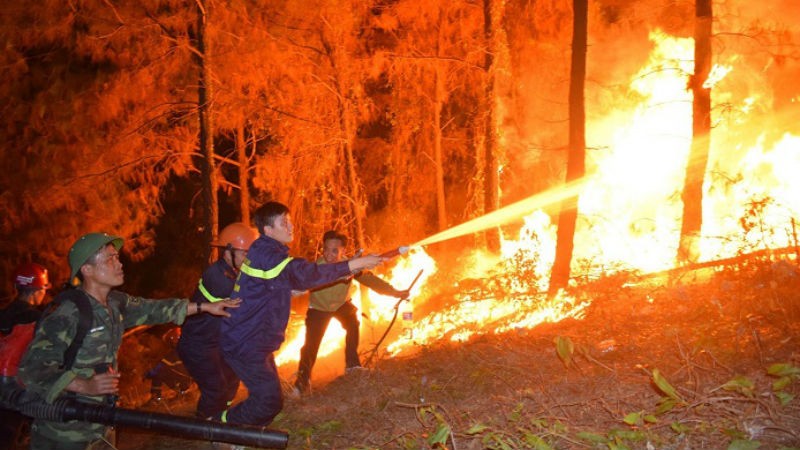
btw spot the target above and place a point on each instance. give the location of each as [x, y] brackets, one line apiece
[224, 417]
[207, 294]
[265, 274]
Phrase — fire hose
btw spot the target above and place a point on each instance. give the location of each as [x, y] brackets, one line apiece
[65, 409]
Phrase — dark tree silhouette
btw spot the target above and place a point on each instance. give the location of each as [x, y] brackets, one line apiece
[206, 130]
[492, 13]
[577, 148]
[701, 132]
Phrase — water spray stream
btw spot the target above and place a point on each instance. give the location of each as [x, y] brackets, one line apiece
[508, 213]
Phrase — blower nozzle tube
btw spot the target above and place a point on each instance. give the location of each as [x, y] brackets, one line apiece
[64, 409]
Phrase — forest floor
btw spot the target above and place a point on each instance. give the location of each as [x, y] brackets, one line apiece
[706, 359]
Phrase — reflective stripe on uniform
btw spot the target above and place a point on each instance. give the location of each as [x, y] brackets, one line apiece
[207, 294]
[265, 274]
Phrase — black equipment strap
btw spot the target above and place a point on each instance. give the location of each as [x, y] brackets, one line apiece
[80, 300]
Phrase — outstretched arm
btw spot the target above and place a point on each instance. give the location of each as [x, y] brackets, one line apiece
[380, 286]
[364, 262]
[216, 308]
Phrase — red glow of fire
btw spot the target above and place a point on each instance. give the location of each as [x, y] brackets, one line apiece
[630, 209]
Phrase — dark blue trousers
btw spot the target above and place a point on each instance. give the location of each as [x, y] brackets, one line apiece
[316, 324]
[217, 381]
[265, 400]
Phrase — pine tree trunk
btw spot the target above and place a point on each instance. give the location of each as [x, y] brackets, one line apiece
[692, 196]
[352, 175]
[347, 130]
[438, 101]
[559, 276]
[244, 187]
[492, 12]
[204, 94]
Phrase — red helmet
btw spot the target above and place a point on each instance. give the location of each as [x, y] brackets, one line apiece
[31, 275]
[172, 336]
[238, 235]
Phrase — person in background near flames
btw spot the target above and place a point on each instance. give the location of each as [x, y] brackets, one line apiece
[31, 284]
[170, 370]
[198, 346]
[257, 329]
[333, 301]
[93, 377]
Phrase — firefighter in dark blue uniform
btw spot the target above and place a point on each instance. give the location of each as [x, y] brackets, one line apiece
[198, 346]
[257, 328]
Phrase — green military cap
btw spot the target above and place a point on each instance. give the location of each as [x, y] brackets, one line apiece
[87, 246]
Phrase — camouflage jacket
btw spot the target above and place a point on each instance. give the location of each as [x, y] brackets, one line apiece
[40, 369]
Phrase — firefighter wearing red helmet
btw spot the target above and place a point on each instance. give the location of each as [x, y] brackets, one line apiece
[198, 346]
[31, 275]
[31, 284]
[17, 320]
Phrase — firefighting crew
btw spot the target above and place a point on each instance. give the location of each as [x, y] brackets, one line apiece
[31, 283]
[93, 377]
[257, 328]
[198, 346]
[333, 301]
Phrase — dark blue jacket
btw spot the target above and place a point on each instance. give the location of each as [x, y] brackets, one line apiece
[201, 331]
[258, 326]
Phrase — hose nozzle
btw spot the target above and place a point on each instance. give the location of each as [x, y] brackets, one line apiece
[402, 250]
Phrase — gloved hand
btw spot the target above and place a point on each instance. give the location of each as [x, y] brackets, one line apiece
[402, 294]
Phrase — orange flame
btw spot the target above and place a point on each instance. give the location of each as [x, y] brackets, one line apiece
[382, 307]
[629, 207]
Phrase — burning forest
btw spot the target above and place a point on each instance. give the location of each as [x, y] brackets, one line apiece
[597, 203]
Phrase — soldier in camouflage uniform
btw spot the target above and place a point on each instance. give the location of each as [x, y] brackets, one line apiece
[96, 270]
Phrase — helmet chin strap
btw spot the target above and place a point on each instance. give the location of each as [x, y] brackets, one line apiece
[229, 248]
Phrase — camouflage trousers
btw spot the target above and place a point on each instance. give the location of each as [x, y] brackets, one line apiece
[41, 442]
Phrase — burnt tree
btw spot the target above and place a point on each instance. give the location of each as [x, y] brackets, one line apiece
[692, 195]
[492, 10]
[577, 148]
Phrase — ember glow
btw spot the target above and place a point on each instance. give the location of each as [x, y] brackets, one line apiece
[629, 204]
